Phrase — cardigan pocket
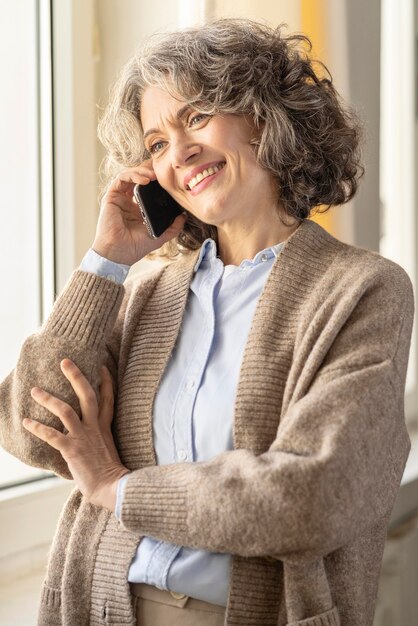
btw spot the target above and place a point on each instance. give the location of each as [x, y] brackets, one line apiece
[50, 606]
[329, 618]
[50, 597]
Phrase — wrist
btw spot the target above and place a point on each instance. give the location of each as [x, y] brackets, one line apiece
[110, 254]
[107, 494]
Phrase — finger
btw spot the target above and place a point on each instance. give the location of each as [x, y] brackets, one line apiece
[146, 168]
[50, 435]
[61, 409]
[147, 163]
[106, 398]
[125, 202]
[127, 179]
[83, 390]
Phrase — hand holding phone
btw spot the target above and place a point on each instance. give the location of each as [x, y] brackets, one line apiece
[122, 234]
[157, 207]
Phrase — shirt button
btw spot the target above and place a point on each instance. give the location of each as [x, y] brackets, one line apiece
[264, 257]
[190, 384]
[111, 277]
[182, 455]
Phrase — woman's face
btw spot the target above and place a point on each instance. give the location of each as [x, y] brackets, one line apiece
[205, 162]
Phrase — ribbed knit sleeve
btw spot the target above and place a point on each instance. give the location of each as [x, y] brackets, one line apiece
[81, 321]
[335, 465]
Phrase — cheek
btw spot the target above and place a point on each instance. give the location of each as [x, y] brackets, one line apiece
[166, 178]
[164, 175]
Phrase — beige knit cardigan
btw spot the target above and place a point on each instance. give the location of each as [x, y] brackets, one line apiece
[304, 499]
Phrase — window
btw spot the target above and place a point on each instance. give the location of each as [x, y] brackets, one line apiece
[398, 136]
[26, 233]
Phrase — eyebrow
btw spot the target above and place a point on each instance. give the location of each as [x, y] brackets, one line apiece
[180, 113]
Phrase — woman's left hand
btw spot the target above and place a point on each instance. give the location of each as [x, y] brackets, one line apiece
[88, 447]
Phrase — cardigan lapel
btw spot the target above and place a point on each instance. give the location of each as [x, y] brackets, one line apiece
[269, 350]
[259, 404]
[152, 344]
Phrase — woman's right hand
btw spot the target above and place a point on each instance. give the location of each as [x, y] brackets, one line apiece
[121, 236]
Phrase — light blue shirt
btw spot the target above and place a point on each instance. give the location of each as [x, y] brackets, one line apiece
[194, 405]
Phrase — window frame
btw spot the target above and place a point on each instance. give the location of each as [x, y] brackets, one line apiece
[43, 196]
[398, 160]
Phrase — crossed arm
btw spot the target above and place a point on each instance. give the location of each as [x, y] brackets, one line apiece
[87, 446]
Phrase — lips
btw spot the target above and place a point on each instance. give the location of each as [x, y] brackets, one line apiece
[197, 174]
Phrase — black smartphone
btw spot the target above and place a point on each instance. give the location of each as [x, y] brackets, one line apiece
[157, 207]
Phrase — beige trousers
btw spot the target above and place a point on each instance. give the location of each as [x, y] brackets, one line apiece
[155, 607]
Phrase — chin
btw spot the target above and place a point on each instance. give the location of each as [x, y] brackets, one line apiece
[212, 215]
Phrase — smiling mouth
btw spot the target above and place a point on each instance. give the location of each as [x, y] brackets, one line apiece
[202, 175]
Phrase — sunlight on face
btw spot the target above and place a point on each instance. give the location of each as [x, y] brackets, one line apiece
[207, 163]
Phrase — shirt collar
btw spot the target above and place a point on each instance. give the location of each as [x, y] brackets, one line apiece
[208, 253]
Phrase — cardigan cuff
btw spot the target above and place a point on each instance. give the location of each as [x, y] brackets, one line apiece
[155, 502]
[86, 309]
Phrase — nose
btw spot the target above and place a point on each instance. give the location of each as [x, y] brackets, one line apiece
[183, 152]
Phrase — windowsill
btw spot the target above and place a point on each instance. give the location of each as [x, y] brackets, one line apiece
[28, 519]
[33, 492]
[30, 490]
[19, 600]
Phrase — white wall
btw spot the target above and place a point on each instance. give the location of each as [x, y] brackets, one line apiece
[273, 12]
[122, 25]
[74, 129]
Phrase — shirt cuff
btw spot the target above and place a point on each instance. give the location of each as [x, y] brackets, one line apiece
[96, 264]
[119, 495]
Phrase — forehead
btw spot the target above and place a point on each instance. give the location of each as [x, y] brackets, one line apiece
[158, 106]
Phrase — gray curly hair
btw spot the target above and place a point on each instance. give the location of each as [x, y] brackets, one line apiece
[309, 139]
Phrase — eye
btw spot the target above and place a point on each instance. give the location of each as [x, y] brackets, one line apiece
[156, 147]
[198, 118]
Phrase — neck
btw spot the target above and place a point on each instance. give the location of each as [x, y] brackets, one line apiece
[237, 244]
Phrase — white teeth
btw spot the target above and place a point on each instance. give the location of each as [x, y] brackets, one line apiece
[208, 172]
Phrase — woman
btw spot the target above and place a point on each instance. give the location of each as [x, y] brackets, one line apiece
[258, 437]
